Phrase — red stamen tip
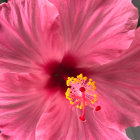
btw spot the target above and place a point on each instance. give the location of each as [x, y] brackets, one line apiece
[82, 89]
[82, 118]
[98, 108]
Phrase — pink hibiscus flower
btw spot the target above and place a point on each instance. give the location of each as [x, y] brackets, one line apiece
[44, 43]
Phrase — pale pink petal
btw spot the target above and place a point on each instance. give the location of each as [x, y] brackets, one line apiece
[60, 121]
[98, 30]
[118, 84]
[22, 101]
[24, 27]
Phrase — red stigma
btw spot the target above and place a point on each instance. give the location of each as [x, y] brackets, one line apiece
[82, 118]
[98, 108]
[82, 89]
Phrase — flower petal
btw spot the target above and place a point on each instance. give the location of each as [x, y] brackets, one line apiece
[118, 84]
[61, 121]
[23, 32]
[97, 29]
[22, 101]
[56, 121]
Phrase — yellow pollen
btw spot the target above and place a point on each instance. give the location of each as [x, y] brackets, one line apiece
[85, 78]
[81, 92]
[89, 83]
[95, 95]
[78, 81]
[92, 101]
[73, 82]
[90, 79]
[95, 99]
[68, 82]
[78, 106]
[75, 79]
[81, 75]
[71, 102]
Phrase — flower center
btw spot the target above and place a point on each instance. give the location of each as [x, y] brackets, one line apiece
[58, 71]
[81, 93]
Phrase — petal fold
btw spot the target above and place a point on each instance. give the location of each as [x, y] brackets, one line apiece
[24, 27]
[22, 102]
[118, 84]
[98, 30]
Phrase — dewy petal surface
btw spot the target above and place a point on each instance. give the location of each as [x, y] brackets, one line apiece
[118, 84]
[24, 26]
[104, 28]
[60, 122]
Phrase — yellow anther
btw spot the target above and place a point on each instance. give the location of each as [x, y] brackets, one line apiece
[95, 95]
[83, 84]
[78, 106]
[72, 78]
[89, 83]
[67, 94]
[81, 75]
[78, 76]
[92, 101]
[93, 83]
[95, 99]
[90, 79]
[85, 78]
[68, 82]
[68, 89]
[78, 81]
[73, 82]
[71, 102]
[75, 79]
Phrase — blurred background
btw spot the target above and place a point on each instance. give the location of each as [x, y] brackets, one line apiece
[133, 133]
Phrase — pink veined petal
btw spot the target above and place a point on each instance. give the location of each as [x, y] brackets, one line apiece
[22, 102]
[61, 122]
[1, 138]
[98, 30]
[24, 27]
[118, 84]
[97, 131]
[57, 121]
[4, 137]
